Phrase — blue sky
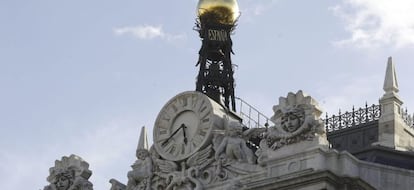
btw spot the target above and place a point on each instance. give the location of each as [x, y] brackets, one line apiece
[82, 77]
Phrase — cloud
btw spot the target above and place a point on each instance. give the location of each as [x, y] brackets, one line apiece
[147, 32]
[376, 23]
[253, 8]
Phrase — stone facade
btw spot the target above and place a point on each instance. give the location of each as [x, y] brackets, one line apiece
[293, 154]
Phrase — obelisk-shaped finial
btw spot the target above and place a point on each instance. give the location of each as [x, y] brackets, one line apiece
[390, 83]
[391, 123]
[143, 140]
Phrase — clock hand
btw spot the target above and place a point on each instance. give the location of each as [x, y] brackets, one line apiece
[185, 137]
[175, 132]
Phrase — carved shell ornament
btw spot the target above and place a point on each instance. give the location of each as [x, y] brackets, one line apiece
[70, 173]
[296, 118]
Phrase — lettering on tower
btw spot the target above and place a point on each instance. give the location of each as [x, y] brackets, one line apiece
[217, 35]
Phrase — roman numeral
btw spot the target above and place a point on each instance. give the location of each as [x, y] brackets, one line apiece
[205, 118]
[161, 139]
[193, 145]
[202, 132]
[183, 101]
[197, 139]
[171, 149]
[163, 131]
[174, 107]
[203, 107]
[182, 149]
[166, 117]
[194, 101]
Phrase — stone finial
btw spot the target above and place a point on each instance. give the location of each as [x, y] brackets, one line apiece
[390, 83]
[393, 125]
[143, 140]
[142, 170]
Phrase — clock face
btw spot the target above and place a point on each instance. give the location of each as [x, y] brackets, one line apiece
[183, 126]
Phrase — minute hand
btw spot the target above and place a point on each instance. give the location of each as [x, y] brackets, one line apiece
[175, 132]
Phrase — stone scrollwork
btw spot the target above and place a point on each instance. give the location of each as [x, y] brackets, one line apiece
[170, 176]
[70, 173]
[296, 119]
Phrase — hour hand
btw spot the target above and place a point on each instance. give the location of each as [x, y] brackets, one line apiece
[185, 136]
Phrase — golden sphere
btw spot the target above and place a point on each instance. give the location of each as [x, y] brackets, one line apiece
[218, 11]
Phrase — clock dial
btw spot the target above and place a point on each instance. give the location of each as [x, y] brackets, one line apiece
[184, 125]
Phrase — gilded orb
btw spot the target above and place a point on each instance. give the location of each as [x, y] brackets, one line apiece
[218, 11]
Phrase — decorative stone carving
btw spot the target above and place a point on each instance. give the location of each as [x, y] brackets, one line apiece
[225, 158]
[297, 119]
[233, 147]
[140, 177]
[198, 172]
[235, 185]
[116, 185]
[142, 170]
[70, 173]
[171, 176]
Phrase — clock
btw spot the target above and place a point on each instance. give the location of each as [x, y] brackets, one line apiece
[185, 124]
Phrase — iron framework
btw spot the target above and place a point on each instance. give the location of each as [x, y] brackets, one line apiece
[215, 77]
[352, 119]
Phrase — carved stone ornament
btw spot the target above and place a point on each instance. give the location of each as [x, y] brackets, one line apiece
[70, 173]
[232, 146]
[296, 118]
[197, 145]
[142, 170]
[200, 171]
[226, 157]
[116, 185]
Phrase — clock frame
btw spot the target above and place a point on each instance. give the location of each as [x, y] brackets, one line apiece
[185, 124]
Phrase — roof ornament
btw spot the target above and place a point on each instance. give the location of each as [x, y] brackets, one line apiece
[390, 83]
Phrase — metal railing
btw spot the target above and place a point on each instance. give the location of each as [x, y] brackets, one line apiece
[352, 119]
[408, 119]
[252, 118]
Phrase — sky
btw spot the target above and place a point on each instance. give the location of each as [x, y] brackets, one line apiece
[82, 77]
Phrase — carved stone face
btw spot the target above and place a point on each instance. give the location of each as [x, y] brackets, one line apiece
[62, 183]
[234, 129]
[142, 154]
[291, 122]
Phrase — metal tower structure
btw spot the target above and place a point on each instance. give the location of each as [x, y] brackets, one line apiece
[215, 25]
